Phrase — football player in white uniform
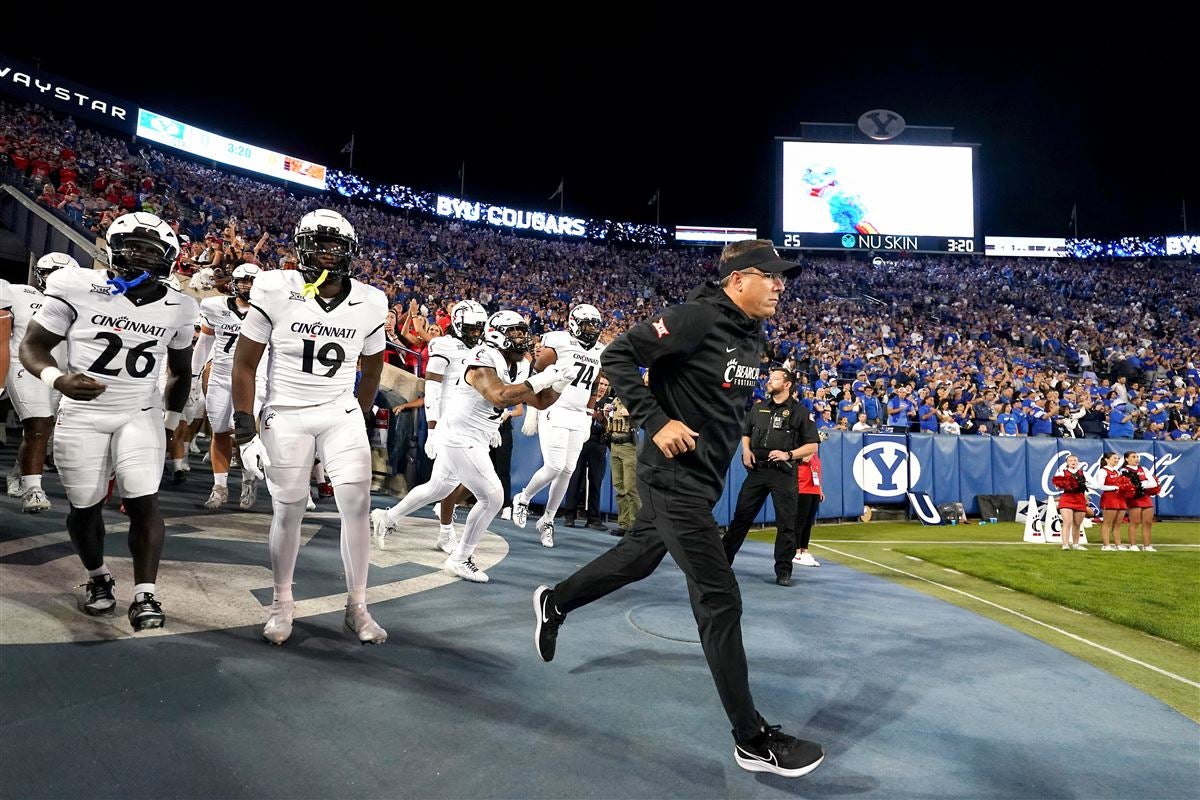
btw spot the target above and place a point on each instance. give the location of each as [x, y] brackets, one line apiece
[33, 400]
[563, 429]
[319, 323]
[111, 417]
[447, 360]
[496, 376]
[220, 324]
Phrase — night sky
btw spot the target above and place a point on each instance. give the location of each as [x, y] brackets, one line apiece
[1061, 118]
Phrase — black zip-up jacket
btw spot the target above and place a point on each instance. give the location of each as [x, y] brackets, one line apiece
[703, 358]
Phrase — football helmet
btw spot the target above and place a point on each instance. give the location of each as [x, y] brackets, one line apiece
[467, 320]
[243, 281]
[325, 242]
[502, 332]
[47, 264]
[141, 242]
[585, 323]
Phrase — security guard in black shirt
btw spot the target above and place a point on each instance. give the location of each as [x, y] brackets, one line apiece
[777, 433]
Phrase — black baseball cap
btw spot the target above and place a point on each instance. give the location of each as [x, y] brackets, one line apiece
[759, 254]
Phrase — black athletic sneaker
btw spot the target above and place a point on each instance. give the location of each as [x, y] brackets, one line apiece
[146, 613]
[546, 621]
[775, 751]
[179, 478]
[97, 599]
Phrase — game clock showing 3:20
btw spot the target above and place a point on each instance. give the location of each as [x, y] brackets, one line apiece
[960, 245]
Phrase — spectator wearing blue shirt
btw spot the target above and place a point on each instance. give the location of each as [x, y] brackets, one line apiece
[1120, 421]
[928, 416]
[874, 410]
[1041, 419]
[848, 408]
[899, 408]
[1006, 421]
[1183, 433]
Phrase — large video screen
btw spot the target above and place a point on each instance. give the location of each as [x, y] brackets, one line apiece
[876, 196]
[215, 147]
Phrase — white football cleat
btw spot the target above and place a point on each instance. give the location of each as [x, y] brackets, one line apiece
[249, 494]
[447, 539]
[465, 569]
[218, 498]
[546, 529]
[520, 509]
[380, 529]
[359, 622]
[279, 623]
[35, 501]
[15, 489]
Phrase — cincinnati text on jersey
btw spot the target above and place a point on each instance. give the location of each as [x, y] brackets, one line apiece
[319, 329]
[126, 324]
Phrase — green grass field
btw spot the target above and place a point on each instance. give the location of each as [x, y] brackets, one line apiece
[1136, 615]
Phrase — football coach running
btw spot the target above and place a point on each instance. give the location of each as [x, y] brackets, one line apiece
[703, 357]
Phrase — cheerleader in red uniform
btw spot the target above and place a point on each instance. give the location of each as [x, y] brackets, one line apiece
[1073, 502]
[1141, 505]
[1112, 504]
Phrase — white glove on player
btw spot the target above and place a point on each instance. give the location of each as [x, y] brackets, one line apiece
[433, 443]
[547, 377]
[529, 426]
[496, 440]
[562, 383]
[255, 459]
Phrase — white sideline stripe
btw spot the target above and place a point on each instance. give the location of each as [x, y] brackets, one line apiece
[951, 571]
[1025, 617]
[910, 558]
[1075, 611]
[906, 541]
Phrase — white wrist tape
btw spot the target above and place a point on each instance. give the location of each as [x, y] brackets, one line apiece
[50, 375]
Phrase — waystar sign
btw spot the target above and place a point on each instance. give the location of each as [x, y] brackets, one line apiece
[53, 92]
[503, 217]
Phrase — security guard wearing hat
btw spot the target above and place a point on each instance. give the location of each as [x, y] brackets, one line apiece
[777, 433]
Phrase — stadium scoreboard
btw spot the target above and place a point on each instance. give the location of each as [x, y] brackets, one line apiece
[877, 197]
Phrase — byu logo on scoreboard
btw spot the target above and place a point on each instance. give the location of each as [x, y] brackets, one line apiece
[886, 469]
[881, 124]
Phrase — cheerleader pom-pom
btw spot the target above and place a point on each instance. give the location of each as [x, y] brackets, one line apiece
[1125, 487]
[1064, 483]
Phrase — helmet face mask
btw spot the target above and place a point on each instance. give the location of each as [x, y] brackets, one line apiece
[468, 320]
[508, 331]
[325, 242]
[585, 323]
[242, 281]
[141, 242]
[48, 264]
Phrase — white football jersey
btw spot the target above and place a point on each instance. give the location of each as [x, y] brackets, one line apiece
[467, 417]
[583, 367]
[114, 340]
[221, 314]
[447, 357]
[24, 301]
[314, 344]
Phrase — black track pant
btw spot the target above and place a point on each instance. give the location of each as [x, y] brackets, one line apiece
[683, 526]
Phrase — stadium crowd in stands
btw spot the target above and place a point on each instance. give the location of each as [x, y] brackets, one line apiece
[964, 344]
